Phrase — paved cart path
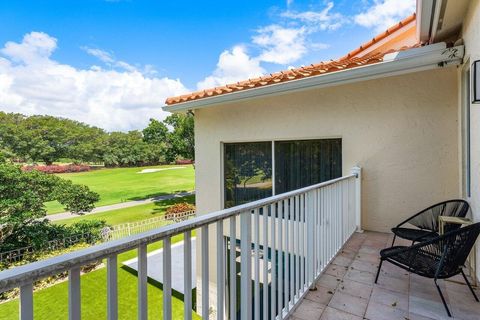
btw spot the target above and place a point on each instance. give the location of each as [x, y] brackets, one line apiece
[128, 204]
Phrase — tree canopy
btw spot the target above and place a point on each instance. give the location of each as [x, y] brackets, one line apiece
[22, 198]
[49, 139]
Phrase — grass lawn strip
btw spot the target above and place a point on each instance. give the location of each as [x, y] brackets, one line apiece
[52, 302]
[126, 184]
[132, 214]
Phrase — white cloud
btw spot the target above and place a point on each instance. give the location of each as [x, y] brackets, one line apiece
[100, 54]
[287, 43]
[110, 61]
[233, 65]
[281, 45]
[35, 47]
[318, 20]
[31, 82]
[385, 13]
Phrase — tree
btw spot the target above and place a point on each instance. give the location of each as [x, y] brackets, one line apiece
[156, 132]
[22, 209]
[175, 136]
[182, 137]
[129, 149]
[48, 139]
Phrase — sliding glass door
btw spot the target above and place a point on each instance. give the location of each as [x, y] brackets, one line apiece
[248, 167]
[303, 163]
[247, 172]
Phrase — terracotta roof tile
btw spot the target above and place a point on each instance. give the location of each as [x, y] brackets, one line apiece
[349, 61]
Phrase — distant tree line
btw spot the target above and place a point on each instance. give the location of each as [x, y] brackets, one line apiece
[50, 139]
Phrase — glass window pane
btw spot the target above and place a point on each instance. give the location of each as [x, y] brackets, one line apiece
[247, 172]
[306, 162]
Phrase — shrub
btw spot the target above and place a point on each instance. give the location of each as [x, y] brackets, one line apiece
[184, 161]
[58, 168]
[180, 207]
[175, 212]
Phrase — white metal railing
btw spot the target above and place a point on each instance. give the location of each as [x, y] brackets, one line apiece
[286, 241]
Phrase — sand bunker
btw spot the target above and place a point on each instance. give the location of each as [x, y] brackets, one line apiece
[159, 169]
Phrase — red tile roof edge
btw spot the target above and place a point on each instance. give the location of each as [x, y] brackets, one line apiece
[346, 62]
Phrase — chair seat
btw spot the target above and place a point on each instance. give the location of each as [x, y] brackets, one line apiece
[418, 261]
[414, 234]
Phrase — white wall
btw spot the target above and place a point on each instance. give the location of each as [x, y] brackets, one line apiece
[471, 36]
[402, 130]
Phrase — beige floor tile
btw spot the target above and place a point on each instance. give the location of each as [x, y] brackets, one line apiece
[414, 316]
[355, 288]
[348, 253]
[348, 303]
[369, 250]
[428, 308]
[372, 258]
[360, 276]
[389, 298]
[328, 281]
[335, 314]
[308, 310]
[372, 243]
[377, 311]
[364, 266]
[322, 295]
[464, 306]
[336, 270]
[342, 260]
[393, 284]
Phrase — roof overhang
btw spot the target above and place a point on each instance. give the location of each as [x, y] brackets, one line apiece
[428, 11]
[439, 19]
[408, 61]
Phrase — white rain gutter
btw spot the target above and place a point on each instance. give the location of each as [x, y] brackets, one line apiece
[413, 60]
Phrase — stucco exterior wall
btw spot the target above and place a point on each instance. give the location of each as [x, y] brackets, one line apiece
[471, 36]
[402, 130]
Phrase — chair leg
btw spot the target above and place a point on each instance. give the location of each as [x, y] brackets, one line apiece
[394, 237]
[443, 299]
[378, 271]
[469, 286]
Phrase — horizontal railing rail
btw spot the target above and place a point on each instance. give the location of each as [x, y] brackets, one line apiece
[291, 237]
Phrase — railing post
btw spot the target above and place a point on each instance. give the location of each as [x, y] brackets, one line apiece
[309, 221]
[246, 265]
[357, 171]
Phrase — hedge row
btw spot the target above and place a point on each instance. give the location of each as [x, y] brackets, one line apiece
[58, 168]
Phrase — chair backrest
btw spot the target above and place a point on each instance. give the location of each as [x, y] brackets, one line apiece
[428, 218]
[456, 246]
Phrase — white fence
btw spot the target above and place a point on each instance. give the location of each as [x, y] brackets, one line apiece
[17, 255]
[130, 228]
[286, 241]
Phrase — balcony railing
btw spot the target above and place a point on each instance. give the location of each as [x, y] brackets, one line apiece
[286, 241]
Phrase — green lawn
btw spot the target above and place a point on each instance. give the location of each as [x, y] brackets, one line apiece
[51, 303]
[137, 213]
[126, 184]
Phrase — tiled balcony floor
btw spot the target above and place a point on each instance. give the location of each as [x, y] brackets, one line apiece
[346, 291]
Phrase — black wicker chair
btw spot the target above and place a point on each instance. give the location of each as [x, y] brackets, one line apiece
[426, 221]
[439, 258]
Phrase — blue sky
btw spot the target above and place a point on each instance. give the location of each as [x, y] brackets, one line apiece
[112, 63]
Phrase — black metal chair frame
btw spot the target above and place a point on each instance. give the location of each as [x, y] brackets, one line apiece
[430, 233]
[439, 258]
